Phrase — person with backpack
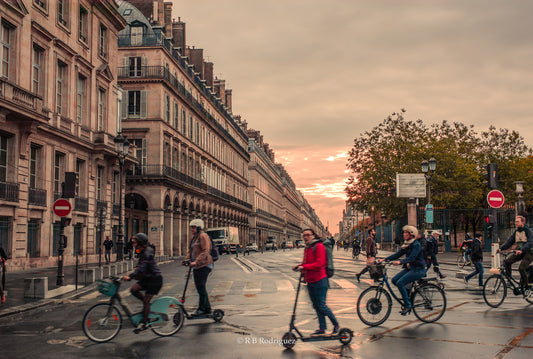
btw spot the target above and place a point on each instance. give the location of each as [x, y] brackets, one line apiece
[108, 245]
[371, 252]
[199, 256]
[313, 268]
[148, 275]
[477, 259]
[432, 249]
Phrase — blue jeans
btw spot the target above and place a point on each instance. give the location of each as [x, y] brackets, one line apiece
[317, 293]
[405, 277]
[479, 269]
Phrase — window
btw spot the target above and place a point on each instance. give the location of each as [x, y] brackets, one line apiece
[197, 133]
[6, 49]
[35, 159]
[59, 171]
[190, 127]
[3, 158]
[101, 108]
[140, 155]
[134, 103]
[176, 116]
[167, 109]
[136, 33]
[80, 108]
[116, 198]
[37, 76]
[99, 182]
[135, 66]
[62, 12]
[61, 87]
[80, 173]
[41, 3]
[102, 46]
[183, 122]
[84, 24]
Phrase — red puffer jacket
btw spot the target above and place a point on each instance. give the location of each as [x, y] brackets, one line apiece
[314, 262]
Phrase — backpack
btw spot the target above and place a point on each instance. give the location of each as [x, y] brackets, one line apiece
[214, 250]
[329, 256]
[435, 246]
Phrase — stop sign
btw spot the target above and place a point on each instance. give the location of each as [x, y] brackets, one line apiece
[495, 198]
[62, 207]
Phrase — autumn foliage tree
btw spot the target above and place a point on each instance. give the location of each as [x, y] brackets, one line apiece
[398, 145]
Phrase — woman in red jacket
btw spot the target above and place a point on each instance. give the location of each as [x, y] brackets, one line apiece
[314, 271]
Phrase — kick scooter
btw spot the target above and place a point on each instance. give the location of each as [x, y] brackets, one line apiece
[217, 314]
[344, 335]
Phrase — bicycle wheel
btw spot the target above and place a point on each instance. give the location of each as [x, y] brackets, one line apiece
[374, 306]
[429, 303]
[172, 323]
[494, 290]
[102, 322]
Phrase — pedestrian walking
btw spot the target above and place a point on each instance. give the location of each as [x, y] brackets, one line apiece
[313, 269]
[108, 244]
[129, 248]
[3, 259]
[371, 252]
[202, 263]
[477, 259]
[432, 249]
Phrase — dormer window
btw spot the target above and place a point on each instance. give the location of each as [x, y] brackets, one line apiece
[136, 33]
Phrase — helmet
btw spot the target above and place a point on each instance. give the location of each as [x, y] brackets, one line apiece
[141, 238]
[411, 230]
[197, 223]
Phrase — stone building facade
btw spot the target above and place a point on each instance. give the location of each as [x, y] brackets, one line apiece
[58, 113]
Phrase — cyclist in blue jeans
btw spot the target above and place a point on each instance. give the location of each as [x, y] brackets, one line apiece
[414, 264]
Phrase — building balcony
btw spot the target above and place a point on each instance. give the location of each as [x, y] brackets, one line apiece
[37, 197]
[168, 173]
[19, 96]
[9, 191]
[116, 209]
[81, 204]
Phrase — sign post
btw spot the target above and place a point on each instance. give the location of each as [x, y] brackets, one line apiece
[495, 199]
[62, 209]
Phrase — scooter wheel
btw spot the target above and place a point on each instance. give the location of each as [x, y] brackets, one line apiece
[345, 336]
[218, 315]
[288, 340]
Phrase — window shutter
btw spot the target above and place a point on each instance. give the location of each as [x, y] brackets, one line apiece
[144, 96]
[144, 64]
[124, 104]
[144, 155]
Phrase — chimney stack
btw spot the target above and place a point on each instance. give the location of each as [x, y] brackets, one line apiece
[178, 34]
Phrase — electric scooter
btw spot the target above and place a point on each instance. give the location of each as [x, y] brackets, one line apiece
[344, 335]
[217, 314]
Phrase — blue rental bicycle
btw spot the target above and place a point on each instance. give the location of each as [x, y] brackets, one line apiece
[375, 303]
[103, 321]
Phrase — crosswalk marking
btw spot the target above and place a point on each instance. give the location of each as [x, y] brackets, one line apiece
[221, 288]
[284, 285]
[252, 287]
[344, 283]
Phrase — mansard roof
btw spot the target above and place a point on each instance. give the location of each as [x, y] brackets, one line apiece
[133, 17]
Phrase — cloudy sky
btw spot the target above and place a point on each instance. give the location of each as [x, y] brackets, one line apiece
[312, 75]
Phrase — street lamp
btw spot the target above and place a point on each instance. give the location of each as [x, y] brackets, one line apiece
[122, 146]
[428, 167]
[519, 205]
[101, 214]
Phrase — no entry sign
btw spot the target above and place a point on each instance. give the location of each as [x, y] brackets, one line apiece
[62, 207]
[495, 198]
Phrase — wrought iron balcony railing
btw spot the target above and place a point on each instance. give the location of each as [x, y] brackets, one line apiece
[37, 197]
[9, 191]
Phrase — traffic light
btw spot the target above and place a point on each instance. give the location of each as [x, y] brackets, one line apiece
[65, 221]
[63, 241]
[492, 175]
[490, 220]
[69, 188]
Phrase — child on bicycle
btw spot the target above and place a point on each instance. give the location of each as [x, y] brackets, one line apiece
[148, 275]
[414, 264]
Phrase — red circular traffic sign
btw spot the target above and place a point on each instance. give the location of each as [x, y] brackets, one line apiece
[495, 198]
[62, 207]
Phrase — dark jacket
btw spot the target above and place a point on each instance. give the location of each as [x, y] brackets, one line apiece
[413, 256]
[524, 242]
[146, 267]
[370, 247]
[477, 251]
[201, 249]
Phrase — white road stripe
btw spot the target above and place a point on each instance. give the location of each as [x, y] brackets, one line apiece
[252, 287]
[221, 288]
[282, 285]
[344, 283]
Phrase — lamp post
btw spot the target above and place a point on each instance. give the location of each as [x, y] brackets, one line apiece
[519, 205]
[122, 146]
[101, 214]
[428, 167]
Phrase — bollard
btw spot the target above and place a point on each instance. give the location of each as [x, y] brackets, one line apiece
[495, 258]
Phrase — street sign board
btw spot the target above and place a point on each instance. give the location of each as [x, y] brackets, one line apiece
[429, 213]
[495, 198]
[62, 207]
[410, 185]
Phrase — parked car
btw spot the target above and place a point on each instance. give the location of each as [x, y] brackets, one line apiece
[270, 244]
[288, 244]
[251, 247]
[300, 243]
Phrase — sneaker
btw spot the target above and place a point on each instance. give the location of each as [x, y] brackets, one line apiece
[3, 300]
[442, 276]
[140, 328]
[319, 332]
[335, 330]
[358, 277]
[405, 311]
[466, 281]
[199, 312]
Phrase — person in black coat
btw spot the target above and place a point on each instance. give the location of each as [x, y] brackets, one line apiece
[477, 259]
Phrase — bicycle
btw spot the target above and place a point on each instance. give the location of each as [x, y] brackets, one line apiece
[375, 303]
[462, 259]
[495, 287]
[103, 321]
[356, 251]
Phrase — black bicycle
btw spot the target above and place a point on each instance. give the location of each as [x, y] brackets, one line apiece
[356, 251]
[495, 287]
[375, 303]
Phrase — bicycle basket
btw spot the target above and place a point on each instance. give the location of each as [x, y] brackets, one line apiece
[375, 271]
[106, 288]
